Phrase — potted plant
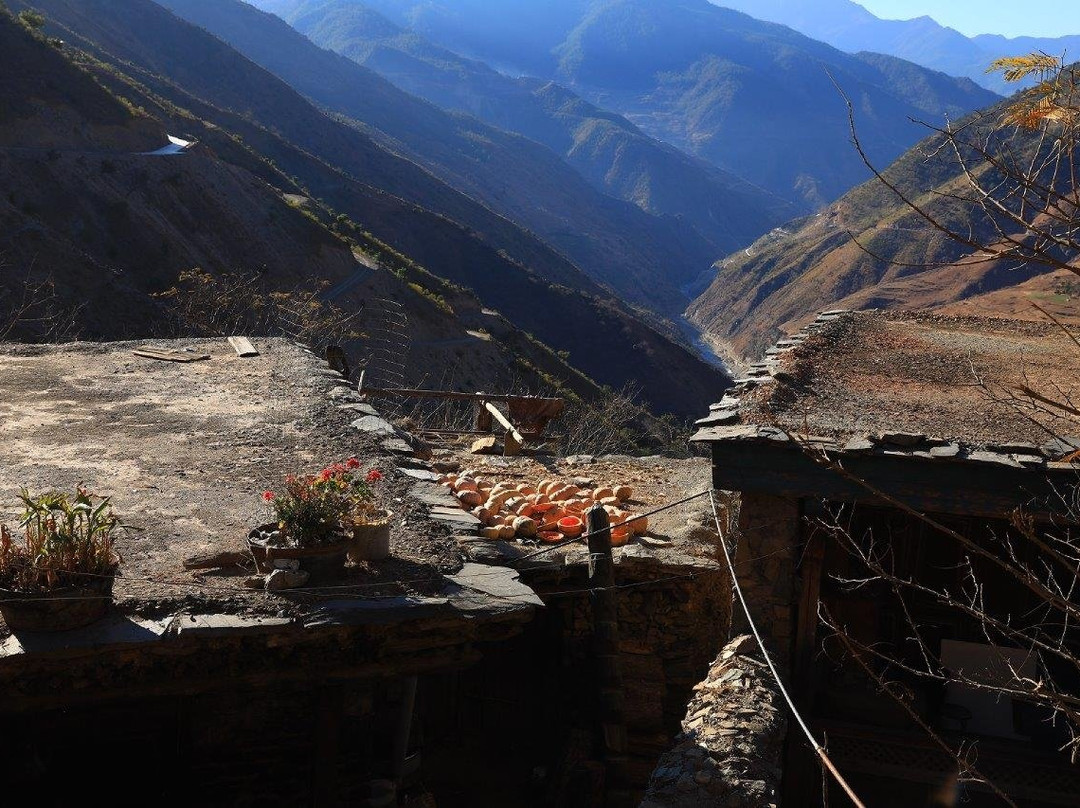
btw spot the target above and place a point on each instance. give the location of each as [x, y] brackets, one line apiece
[315, 516]
[60, 576]
[370, 525]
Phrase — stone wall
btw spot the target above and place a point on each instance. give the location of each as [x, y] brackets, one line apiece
[765, 563]
[672, 621]
[729, 752]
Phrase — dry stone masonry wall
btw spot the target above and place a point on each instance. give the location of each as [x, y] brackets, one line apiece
[729, 751]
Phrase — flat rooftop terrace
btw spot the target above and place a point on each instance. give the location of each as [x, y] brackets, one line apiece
[958, 379]
[185, 449]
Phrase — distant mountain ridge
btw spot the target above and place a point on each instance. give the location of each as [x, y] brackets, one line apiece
[645, 258]
[609, 151]
[849, 26]
[753, 98]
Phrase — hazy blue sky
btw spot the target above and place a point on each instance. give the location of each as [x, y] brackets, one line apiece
[1008, 17]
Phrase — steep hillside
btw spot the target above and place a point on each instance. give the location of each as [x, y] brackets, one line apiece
[172, 56]
[753, 98]
[815, 263]
[609, 151]
[99, 232]
[645, 258]
[450, 249]
[46, 103]
[847, 25]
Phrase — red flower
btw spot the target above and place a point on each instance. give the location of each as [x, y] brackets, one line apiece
[326, 474]
[352, 463]
[374, 475]
[268, 496]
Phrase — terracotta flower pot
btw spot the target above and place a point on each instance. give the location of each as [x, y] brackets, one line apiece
[62, 609]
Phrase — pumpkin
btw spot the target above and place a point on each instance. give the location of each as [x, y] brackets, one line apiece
[524, 526]
[470, 498]
[571, 526]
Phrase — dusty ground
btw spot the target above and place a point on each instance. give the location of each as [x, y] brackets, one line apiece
[185, 451]
[954, 378]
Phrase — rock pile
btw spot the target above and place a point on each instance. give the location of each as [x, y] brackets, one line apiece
[729, 751]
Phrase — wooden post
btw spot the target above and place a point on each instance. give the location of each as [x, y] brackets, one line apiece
[404, 728]
[483, 417]
[605, 617]
[801, 766]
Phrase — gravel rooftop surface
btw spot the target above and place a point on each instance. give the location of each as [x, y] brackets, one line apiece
[954, 378]
[184, 450]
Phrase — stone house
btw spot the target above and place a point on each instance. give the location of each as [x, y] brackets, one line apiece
[861, 423]
[446, 674]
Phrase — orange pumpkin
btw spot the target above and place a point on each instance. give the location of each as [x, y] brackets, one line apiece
[571, 526]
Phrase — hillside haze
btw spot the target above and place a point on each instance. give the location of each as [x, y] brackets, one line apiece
[753, 98]
[612, 154]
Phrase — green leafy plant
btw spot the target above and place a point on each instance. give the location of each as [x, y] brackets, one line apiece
[315, 509]
[66, 539]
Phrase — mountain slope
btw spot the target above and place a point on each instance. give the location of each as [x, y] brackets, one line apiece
[622, 350]
[609, 151]
[815, 263]
[847, 25]
[105, 228]
[647, 259]
[753, 98]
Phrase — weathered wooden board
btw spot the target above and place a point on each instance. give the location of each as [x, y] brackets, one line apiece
[170, 355]
[243, 347]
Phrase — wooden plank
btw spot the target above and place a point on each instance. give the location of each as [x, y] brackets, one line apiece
[170, 355]
[513, 441]
[412, 392]
[243, 347]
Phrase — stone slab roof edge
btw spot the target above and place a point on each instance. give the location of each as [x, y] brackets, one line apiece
[723, 423]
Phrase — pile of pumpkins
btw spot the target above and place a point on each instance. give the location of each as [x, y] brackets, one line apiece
[550, 511]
